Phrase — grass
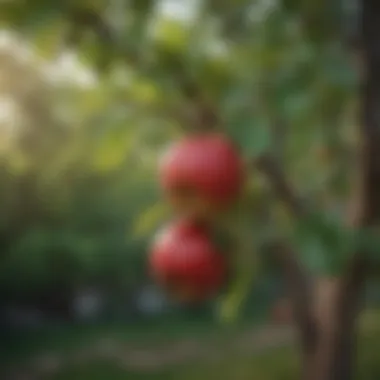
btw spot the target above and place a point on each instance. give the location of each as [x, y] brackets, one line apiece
[277, 364]
[107, 371]
[274, 364]
[64, 339]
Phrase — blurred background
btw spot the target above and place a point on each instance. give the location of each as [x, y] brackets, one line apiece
[91, 92]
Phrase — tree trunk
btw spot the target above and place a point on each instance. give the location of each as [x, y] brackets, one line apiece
[332, 357]
[326, 312]
[338, 301]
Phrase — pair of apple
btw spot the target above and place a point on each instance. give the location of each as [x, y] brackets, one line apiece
[201, 175]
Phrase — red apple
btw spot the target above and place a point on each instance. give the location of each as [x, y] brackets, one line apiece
[202, 174]
[186, 263]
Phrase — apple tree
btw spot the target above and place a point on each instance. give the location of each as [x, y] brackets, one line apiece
[280, 77]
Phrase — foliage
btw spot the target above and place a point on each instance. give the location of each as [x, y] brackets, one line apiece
[79, 171]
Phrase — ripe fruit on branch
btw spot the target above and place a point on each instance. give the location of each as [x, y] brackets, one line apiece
[186, 263]
[202, 174]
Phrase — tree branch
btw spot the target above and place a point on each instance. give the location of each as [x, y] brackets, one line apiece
[199, 114]
[297, 279]
[280, 184]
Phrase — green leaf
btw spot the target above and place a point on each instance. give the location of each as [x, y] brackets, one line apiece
[253, 136]
[150, 219]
